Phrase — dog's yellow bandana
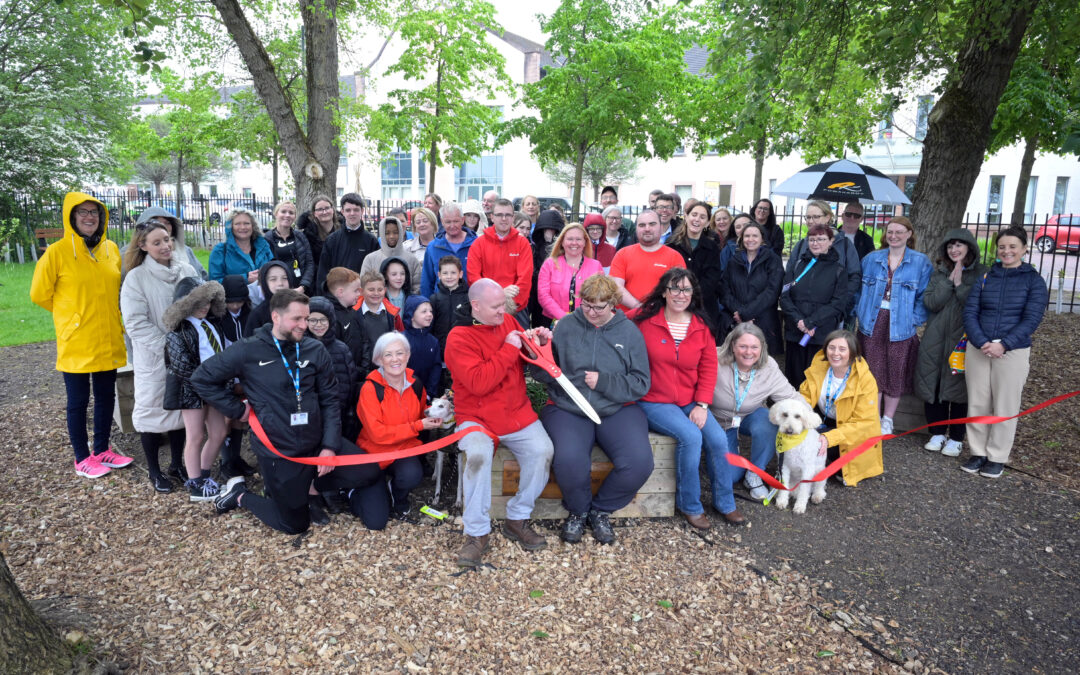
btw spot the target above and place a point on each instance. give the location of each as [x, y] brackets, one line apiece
[785, 442]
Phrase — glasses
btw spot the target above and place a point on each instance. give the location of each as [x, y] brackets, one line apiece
[665, 207]
[678, 290]
[324, 209]
[503, 215]
[820, 216]
[817, 240]
[851, 214]
[86, 212]
[318, 322]
[595, 309]
[762, 209]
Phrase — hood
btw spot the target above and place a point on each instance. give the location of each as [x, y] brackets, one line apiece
[190, 293]
[306, 222]
[399, 250]
[594, 219]
[266, 267]
[158, 212]
[73, 199]
[547, 220]
[326, 308]
[411, 304]
[403, 263]
[958, 234]
[473, 206]
[236, 288]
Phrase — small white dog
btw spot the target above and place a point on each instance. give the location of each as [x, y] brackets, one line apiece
[793, 417]
[443, 408]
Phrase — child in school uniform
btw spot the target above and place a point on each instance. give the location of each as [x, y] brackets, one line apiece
[194, 336]
[233, 325]
[343, 290]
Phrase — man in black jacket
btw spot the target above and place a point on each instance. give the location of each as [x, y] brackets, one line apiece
[289, 382]
[348, 246]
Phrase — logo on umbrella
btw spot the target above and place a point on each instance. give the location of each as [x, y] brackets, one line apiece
[846, 186]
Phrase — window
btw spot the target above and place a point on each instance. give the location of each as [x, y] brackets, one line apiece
[213, 188]
[717, 193]
[1061, 190]
[398, 174]
[340, 193]
[772, 187]
[993, 199]
[343, 160]
[922, 117]
[684, 191]
[680, 151]
[473, 179]
[1029, 203]
[885, 128]
[248, 193]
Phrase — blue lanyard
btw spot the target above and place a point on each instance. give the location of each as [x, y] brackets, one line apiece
[830, 397]
[807, 269]
[295, 376]
[739, 399]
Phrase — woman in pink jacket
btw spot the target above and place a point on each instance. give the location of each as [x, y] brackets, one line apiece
[562, 274]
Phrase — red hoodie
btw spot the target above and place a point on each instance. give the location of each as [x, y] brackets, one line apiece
[683, 374]
[506, 261]
[489, 385]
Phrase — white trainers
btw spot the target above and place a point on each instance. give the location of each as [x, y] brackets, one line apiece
[936, 442]
[755, 485]
[886, 425]
[952, 448]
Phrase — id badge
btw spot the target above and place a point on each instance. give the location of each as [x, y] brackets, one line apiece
[736, 421]
[298, 419]
[297, 273]
[885, 304]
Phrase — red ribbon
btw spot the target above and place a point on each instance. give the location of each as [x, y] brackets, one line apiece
[738, 460]
[350, 460]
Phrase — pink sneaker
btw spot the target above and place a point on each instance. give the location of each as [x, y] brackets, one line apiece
[91, 468]
[112, 459]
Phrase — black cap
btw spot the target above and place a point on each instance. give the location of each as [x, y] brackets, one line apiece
[611, 189]
[236, 289]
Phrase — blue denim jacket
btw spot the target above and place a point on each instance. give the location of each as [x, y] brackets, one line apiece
[909, 281]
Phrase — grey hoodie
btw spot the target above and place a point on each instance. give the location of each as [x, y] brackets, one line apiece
[616, 351]
[181, 250]
[374, 260]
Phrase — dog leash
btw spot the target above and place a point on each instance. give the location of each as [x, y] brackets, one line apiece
[738, 460]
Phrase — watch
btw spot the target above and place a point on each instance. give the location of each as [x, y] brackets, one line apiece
[703, 406]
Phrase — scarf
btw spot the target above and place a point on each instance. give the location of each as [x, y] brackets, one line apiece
[785, 442]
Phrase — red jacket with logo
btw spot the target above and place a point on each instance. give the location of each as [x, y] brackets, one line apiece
[683, 374]
[489, 383]
[506, 261]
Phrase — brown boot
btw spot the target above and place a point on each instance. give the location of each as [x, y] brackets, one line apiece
[472, 551]
[521, 532]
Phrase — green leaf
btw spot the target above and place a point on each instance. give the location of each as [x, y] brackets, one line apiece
[536, 594]
[824, 654]
[539, 634]
[666, 604]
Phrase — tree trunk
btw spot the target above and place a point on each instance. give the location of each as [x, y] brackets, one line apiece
[312, 158]
[27, 644]
[579, 168]
[1020, 200]
[179, 183]
[275, 160]
[759, 166]
[959, 124]
[433, 150]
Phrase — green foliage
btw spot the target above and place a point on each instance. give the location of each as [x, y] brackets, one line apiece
[450, 117]
[602, 167]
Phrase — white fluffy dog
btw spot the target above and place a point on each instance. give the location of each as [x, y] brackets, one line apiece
[793, 417]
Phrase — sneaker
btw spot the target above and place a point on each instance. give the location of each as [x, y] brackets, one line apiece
[472, 551]
[161, 483]
[755, 485]
[316, 512]
[177, 472]
[936, 442]
[202, 489]
[336, 502]
[406, 516]
[992, 470]
[521, 531]
[229, 498]
[886, 426]
[573, 528]
[91, 468]
[113, 460]
[600, 522]
[952, 448]
[973, 464]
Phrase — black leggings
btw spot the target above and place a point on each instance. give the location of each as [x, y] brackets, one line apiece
[151, 443]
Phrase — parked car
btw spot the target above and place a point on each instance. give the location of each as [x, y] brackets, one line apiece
[1060, 231]
[545, 203]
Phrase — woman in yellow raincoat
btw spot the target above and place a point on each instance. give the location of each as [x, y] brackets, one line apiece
[77, 279]
[841, 387]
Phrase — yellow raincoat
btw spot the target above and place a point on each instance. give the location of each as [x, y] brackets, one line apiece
[82, 290]
[856, 415]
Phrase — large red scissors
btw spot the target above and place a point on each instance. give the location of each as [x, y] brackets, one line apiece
[542, 357]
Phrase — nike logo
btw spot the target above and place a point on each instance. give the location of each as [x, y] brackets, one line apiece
[266, 363]
[346, 326]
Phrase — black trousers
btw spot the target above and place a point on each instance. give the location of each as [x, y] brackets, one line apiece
[947, 410]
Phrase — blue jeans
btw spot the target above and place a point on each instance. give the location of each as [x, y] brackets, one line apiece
[762, 435]
[672, 420]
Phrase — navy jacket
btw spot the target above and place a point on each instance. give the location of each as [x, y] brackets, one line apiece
[1007, 305]
[425, 358]
[446, 303]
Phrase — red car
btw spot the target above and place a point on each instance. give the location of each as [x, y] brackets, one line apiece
[1061, 231]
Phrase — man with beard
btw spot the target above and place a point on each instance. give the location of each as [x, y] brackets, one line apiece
[637, 268]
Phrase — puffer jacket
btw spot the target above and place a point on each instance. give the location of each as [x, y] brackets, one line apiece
[436, 249]
[395, 421]
[753, 291]
[944, 303]
[704, 262]
[425, 358]
[181, 250]
[374, 260]
[448, 305]
[1009, 306]
[260, 313]
[345, 368]
[78, 281]
[820, 299]
[227, 258]
[182, 343]
[306, 224]
[295, 252]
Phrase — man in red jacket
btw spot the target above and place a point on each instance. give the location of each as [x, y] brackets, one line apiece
[489, 391]
[504, 256]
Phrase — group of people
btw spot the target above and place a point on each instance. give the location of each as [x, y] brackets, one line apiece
[327, 340]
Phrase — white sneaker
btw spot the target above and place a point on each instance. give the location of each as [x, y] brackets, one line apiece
[952, 448]
[935, 443]
[756, 486]
[886, 425]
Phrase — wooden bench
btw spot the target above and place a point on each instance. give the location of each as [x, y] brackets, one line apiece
[656, 498]
[43, 233]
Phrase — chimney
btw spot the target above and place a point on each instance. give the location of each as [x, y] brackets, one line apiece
[532, 67]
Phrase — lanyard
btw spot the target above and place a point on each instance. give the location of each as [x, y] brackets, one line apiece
[739, 399]
[803, 274]
[830, 397]
[295, 376]
[573, 290]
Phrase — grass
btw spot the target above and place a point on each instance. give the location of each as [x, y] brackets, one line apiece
[24, 322]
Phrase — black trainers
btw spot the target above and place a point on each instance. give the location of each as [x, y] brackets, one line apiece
[573, 528]
[973, 464]
[161, 483]
[992, 470]
[202, 489]
[336, 502]
[177, 472]
[229, 498]
[600, 522]
[406, 516]
[316, 512]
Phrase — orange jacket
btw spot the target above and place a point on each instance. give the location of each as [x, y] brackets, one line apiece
[395, 421]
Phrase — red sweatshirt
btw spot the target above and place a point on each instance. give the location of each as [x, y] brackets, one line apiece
[489, 385]
[506, 261]
[681, 375]
[393, 424]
